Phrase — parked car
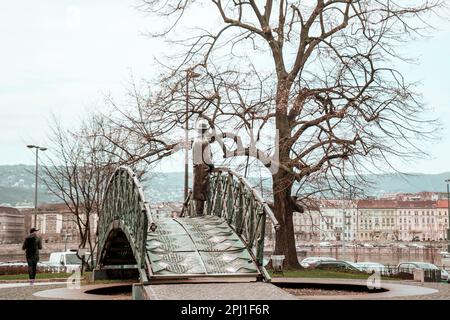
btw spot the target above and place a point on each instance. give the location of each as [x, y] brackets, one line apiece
[408, 267]
[67, 260]
[335, 265]
[325, 244]
[308, 262]
[445, 275]
[417, 265]
[415, 245]
[353, 264]
[371, 267]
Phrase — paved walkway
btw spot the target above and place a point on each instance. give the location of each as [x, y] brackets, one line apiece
[443, 292]
[81, 293]
[217, 291]
[403, 290]
[399, 290]
[24, 291]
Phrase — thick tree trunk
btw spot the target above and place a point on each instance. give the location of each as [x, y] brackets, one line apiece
[283, 181]
[285, 239]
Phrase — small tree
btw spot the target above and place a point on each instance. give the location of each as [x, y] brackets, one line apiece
[76, 171]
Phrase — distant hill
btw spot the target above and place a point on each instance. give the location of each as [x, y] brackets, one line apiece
[410, 183]
[17, 185]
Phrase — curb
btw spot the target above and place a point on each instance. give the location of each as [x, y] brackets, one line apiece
[37, 280]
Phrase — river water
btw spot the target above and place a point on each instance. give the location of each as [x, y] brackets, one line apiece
[386, 256]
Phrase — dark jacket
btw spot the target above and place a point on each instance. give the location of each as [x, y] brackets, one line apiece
[32, 244]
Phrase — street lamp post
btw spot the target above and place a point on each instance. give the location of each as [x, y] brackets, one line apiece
[30, 146]
[448, 212]
[189, 74]
[343, 208]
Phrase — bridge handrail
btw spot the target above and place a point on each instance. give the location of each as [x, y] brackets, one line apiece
[256, 194]
[233, 198]
[138, 184]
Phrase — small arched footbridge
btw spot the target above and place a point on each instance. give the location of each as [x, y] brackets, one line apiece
[226, 242]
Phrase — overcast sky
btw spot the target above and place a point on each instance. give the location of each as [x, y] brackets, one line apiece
[61, 57]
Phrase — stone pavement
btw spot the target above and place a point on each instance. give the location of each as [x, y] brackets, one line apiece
[217, 291]
[24, 291]
[442, 294]
[400, 290]
[395, 289]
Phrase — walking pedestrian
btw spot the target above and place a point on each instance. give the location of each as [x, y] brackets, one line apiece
[32, 244]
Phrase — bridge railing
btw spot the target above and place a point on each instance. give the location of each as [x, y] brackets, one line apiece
[124, 202]
[233, 198]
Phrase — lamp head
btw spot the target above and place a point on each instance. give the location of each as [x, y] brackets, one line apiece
[42, 148]
[31, 146]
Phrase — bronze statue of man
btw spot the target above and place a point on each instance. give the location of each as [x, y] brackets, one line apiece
[202, 160]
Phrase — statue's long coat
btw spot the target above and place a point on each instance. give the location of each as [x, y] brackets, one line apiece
[202, 168]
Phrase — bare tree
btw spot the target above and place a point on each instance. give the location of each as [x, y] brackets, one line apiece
[321, 78]
[76, 171]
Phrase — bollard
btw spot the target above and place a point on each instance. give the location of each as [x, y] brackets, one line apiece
[419, 275]
[277, 263]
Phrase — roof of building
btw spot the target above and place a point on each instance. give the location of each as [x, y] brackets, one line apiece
[9, 210]
[377, 204]
[426, 204]
[442, 204]
[396, 204]
[337, 204]
[58, 207]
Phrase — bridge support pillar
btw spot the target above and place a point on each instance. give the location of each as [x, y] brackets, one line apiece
[139, 292]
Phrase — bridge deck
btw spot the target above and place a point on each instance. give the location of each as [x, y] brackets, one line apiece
[198, 247]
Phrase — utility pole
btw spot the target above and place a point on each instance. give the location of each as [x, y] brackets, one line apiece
[343, 209]
[448, 212]
[189, 74]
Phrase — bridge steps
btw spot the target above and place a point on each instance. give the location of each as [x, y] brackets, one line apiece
[197, 247]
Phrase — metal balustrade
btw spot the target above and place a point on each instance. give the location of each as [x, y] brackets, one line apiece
[234, 199]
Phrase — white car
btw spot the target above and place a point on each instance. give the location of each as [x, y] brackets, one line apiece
[408, 267]
[67, 261]
[355, 265]
[371, 267]
[445, 275]
[325, 244]
[307, 262]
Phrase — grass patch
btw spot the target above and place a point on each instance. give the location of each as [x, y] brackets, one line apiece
[331, 274]
[38, 276]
